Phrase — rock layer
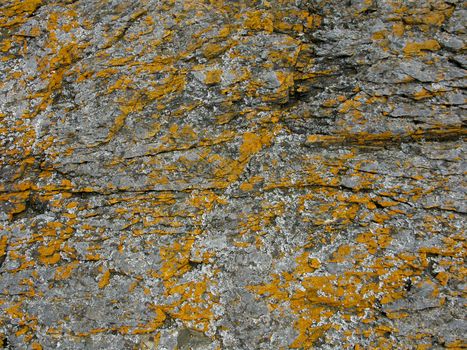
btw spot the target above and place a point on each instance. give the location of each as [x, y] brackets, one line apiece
[232, 174]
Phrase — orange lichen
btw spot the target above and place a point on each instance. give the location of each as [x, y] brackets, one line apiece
[422, 94]
[64, 272]
[419, 48]
[212, 50]
[253, 143]
[259, 20]
[213, 77]
[3, 246]
[18, 11]
[398, 29]
[248, 186]
[104, 280]
[48, 254]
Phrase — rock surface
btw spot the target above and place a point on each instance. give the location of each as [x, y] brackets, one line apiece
[194, 174]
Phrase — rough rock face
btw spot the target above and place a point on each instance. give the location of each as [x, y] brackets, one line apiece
[208, 174]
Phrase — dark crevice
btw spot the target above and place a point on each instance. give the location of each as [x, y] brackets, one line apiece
[435, 135]
[3, 257]
[456, 62]
[5, 343]
[33, 206]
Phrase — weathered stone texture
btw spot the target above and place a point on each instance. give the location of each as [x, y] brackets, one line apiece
[208, 174]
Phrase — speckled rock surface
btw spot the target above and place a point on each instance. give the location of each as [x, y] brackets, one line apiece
[232, 174]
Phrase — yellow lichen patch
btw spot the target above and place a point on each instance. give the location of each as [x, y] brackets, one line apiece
[224, 32]
[419, 48]
[192, 291]
[225, 118]
[253, 143]
[380, 239]
[205, 199]
[398, 29]
[121, 84]
[294, 20]
[281, 94]
[172, 84]
[225, 170]
[176, 258]
[259, 20]
[64, 272]
[349, 105]
[313, 21]
[193, 304]
[213, 77]
[257, 222]
[212, 50]
[152, 325]
[104, 280]
[48, 254]
[306, 264]
[133, 105]
[324, 138]
[425, 17]
[36, 346]
[286, 79]
[342, 252]
[14, 311]
[380, 35]
[3, 246]
[422, 94]
[434, 18]
[16, 200]
[158, 64]
[105, 73]
[248, 185]
[343, 212]
[18, 12]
